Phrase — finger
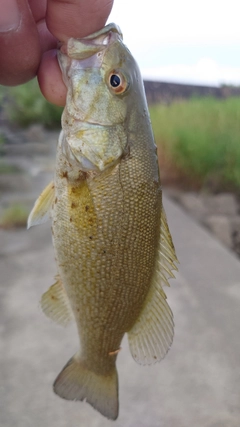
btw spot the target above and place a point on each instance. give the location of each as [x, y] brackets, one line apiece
[47, 40]
[50, 79]
[20, 49]
[38, 8]
[76, 18]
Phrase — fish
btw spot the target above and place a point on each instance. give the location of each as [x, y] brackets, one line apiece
[113, 248]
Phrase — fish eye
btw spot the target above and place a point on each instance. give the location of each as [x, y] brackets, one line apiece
[118, 82]
[115, 80]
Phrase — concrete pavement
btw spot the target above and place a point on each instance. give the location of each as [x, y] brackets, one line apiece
[198, 383]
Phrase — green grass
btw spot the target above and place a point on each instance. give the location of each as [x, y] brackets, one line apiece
[15, 215]
[5, 168]
[26, 105]
[202, 137]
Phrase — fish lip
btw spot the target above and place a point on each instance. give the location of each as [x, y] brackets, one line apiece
[113, 28]
[87, 52]
[84, 48]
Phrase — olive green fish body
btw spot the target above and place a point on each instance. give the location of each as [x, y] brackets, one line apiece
[112, 244]
[111, 227]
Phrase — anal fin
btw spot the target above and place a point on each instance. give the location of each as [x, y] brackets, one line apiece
[40, 212]
[151, 336]
[55, 304]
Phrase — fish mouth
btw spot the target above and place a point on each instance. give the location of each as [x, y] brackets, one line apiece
[85, 49]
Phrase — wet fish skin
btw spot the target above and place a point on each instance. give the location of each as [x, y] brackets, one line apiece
[111, 239]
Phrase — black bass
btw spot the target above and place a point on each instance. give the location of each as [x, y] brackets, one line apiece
[112, 244]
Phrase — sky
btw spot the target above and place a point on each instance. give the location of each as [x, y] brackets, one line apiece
[183, 41]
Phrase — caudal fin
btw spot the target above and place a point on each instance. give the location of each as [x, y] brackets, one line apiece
[77, 382]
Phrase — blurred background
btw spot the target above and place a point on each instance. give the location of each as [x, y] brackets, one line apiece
[189, 55]
[182, 42]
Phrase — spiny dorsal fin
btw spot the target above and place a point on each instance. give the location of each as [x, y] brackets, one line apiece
[40, 212]
[55, 304]
[151, 336]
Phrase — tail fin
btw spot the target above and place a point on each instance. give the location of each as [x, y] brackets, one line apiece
[77, 382]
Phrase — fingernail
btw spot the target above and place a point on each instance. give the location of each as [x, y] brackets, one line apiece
[9, 15]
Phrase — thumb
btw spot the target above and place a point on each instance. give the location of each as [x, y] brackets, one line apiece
[20, 49]
[76, 18]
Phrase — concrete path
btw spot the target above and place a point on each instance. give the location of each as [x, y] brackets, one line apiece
[198, 384]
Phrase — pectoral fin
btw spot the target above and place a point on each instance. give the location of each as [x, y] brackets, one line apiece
[151, 336]
[55, 304]
[42, 207]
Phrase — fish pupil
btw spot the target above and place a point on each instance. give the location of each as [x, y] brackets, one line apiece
[115, 80]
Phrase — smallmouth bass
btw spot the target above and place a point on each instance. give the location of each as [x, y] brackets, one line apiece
[112, 244]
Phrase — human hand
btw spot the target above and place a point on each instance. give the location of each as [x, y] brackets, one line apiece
[29, 31]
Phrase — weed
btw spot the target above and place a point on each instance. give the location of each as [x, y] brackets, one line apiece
[202, 137]
[26, 105]
[6, 168]
[14, 216]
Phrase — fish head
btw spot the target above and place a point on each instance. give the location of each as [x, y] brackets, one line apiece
[103, 82]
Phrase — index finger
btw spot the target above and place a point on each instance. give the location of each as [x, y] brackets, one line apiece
[76, 18]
